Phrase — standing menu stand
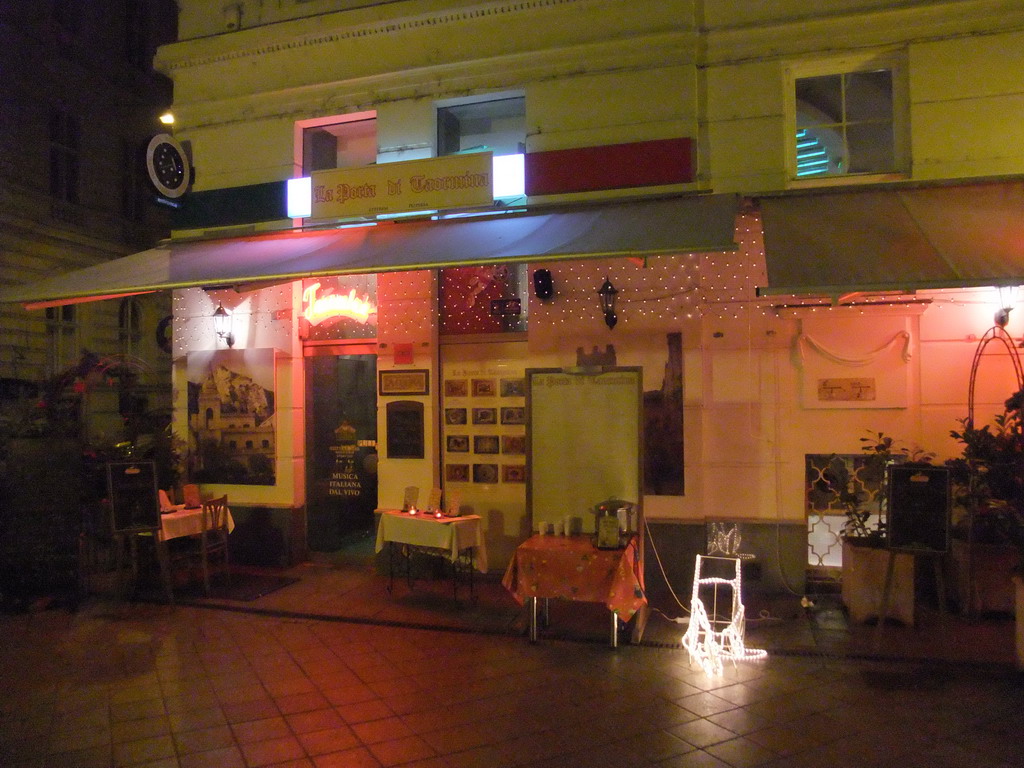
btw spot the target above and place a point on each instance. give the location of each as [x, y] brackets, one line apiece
[918, 524]
[135, 513]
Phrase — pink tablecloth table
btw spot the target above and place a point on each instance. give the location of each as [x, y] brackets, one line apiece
[185, 522]
[572, 568]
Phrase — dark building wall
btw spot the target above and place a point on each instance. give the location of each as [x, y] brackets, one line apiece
[81, 70]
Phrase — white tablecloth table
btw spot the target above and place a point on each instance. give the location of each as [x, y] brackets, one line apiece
[447, 536]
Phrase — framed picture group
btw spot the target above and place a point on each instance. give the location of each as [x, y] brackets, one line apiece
[484, 429]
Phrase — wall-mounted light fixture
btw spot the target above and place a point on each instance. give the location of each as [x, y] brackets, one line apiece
[607, 293]
[1007, 298]
[222, 325]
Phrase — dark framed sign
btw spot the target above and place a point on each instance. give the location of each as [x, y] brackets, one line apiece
[132, 491]
[919, 508]
[405, 429]
[404, 382]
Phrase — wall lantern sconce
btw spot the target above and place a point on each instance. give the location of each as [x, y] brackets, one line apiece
[222, 325]
[607, 293]
[1007, 298]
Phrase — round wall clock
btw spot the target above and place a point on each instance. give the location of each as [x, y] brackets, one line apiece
[164, 334]
[168, 165]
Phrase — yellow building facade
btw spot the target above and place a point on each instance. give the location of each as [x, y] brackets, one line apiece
[767, 378]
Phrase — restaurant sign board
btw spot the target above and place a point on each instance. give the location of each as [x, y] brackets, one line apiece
[452, 181]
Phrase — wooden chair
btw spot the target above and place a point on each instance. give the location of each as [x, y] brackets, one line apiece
[190, 496]
[210, 544]
[214, 539]
[131, 543]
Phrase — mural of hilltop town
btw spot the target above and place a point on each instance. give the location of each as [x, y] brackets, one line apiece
[231, 417]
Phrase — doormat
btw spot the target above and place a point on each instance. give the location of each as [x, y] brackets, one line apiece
[243, 587]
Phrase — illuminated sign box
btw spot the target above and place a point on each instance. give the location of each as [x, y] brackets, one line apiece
[339, 307]
[453, 181]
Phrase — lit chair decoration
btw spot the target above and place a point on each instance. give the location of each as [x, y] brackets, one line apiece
[710, 639]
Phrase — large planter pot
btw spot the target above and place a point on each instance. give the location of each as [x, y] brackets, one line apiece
[982, 580]
[864, 569]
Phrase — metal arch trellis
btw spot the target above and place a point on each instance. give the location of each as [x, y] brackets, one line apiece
[995, 333]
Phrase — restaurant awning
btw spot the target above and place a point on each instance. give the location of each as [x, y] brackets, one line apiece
[637, 228]
[896, 238]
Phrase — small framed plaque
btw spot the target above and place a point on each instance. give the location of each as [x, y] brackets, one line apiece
[405, 382]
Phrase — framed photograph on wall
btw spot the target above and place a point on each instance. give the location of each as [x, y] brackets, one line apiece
[485, 473]
[513, 473]
[513, 444]
[414, 382]
[456, 473]
[485, 444]
[457, 443]
[455, 416]
[513, 387]
[484, 388]
[456, 388]
[485, 415]
[513, 415]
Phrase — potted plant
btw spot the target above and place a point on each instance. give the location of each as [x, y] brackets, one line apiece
[865, 558]
[988, 536]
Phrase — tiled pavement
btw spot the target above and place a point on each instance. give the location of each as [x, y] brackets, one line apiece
[150, 685]
[265, 683]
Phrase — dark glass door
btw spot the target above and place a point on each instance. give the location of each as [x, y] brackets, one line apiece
[341, 447]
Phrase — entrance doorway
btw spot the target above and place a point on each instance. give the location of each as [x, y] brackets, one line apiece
[341, 445]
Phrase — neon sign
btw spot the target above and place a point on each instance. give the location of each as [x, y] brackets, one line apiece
[320, 308]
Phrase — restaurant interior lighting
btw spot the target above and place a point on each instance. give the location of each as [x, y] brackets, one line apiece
[222, 325]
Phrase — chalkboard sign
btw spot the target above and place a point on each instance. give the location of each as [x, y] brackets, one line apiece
[919, 506]
[132, 490]
[405, 429]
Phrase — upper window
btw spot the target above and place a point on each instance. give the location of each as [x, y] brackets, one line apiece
[129, 326]
[497, 125]
[133, 191]
[847, 122]
[62, 337]
[65, 148]
[340, 142]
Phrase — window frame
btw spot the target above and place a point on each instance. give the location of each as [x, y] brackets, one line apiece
[62, 337]
[65, 151]
[896, 63]
[129, 326]
[300, 126]
[442, 105]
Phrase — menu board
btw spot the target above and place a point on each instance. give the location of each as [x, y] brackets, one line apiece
[585, 441]
[132, 490]
[405, 429]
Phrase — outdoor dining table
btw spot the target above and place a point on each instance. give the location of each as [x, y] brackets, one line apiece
[573, 568]
[178, 521]
[453, 538]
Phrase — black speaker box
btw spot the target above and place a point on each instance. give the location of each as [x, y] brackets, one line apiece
[543, 287]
